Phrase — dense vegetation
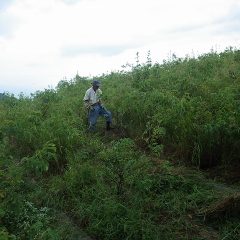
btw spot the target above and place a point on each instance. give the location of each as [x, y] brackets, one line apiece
[143, 179]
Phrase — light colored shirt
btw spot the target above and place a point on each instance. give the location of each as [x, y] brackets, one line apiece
[92, 97]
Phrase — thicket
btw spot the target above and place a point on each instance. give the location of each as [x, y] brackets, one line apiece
[57, 178]
[187, 107]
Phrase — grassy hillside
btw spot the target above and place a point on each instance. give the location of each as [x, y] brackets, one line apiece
[143, 180]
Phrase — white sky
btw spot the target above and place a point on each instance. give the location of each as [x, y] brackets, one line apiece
[43, 41]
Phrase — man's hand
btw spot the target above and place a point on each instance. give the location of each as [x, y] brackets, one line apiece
[87, 105]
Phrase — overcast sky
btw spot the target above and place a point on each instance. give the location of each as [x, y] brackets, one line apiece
[44, 41]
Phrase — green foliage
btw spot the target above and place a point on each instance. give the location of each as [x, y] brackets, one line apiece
[57, 179]
[29, 222]
[187, 107]
[4, 235]
[119, 159]
[40, 161]
[230, 230]
[80, 177]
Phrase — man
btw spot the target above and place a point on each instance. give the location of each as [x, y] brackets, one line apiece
[92, 101]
